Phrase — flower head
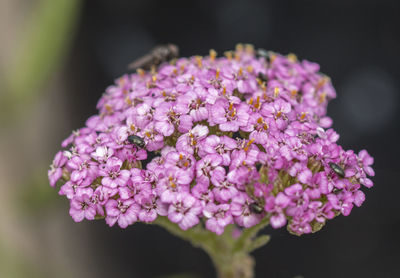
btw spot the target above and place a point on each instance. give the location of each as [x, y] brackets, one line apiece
[227, 140]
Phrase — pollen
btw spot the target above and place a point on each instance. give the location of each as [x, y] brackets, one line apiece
[154, 78]
[199, 61]
[250, 141]
[263, 86]
[292, 57]
[141, 72]
[265, 96]
[322, 97]
[228, 55]
[251, 101]
[272, 58]
[132, 127]
[217, 74]
[257, 104]
[293, 93]
[128, 101]
[248, 146]
[171, 183]
[239, 47]
[108, 108]
[321, 83]
[249, 48]
[250, 69]
[213, 54]
[224, 91]
[230, 106]
[240, 73]
[121, 82]
[276, 92]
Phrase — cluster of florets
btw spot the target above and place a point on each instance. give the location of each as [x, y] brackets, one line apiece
[214, 141]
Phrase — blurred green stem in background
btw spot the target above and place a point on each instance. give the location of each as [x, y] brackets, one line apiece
[14, 265]
[38, 54]
[37, 196]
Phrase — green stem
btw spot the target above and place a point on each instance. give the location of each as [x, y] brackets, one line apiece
[234, 265]
[231, 256]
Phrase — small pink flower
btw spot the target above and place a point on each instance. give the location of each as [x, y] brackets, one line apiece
[276, 206]
[184, 211]
[240, 209]
[113, 175]
[229, 116]
[218, 216]
[122, 211]
[209, 168]
[279, 110]
[218, 145]
[150, 207]
[190, 141]
[82, 207]
[55, 171]
[102, 153]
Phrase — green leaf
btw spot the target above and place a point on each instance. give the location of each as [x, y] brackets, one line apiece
[249, 233]
[258, 242]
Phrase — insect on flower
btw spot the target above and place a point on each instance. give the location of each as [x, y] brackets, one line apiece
[262, 77]
[256, 208]
[136, 140]
[337, 169]
[157, 56]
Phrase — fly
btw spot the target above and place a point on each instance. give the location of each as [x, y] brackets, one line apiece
[337, 169]
[256, 208]
[157, 56]
[136, 140]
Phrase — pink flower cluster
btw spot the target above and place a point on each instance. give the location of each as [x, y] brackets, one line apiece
[225, 140]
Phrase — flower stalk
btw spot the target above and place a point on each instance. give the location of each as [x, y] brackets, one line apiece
[229, 252]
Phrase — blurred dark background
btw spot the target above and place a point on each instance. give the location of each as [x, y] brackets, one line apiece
[357, 44]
